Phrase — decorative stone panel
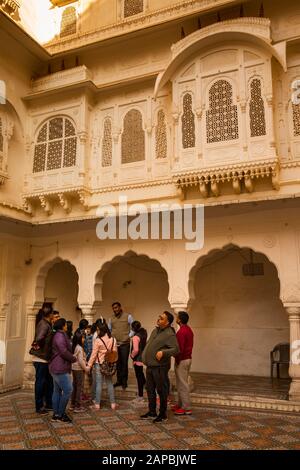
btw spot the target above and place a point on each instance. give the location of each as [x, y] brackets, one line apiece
[133, 137]
[133, 7]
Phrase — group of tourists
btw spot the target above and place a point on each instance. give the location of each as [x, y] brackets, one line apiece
[73, 367]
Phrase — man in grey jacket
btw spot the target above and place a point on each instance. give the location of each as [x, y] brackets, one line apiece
[162, 345]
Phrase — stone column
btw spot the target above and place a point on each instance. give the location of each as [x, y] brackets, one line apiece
[293, 311]
[88, 313]
[179, 307]
[30, 331]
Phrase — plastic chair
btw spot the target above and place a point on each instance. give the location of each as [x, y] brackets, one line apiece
[279, 355]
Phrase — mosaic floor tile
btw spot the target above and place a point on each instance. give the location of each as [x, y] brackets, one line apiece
[209, 428]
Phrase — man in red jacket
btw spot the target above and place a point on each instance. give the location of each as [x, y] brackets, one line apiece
[183, 361]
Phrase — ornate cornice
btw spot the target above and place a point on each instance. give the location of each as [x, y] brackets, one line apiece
[209, 179]
[11, 205]
[130, 24]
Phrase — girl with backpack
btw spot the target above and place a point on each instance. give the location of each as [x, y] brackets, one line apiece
[78, 369]
[138, 345]
[104, 344]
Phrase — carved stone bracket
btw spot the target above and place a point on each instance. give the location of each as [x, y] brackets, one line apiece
[28, 206]
[48, 200]
[46, 204]
[235, 173]
[65, 202]
[84, 199]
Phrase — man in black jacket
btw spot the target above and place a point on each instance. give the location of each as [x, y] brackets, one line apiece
[43, 380]
[162, 345]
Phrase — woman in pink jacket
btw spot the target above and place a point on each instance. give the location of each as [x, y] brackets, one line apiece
[103, 343]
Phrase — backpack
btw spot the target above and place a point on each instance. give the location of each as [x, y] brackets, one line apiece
[43, 349]
[109, 366]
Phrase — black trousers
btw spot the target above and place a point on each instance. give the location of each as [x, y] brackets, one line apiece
[140, 378]
[122, 364]
[157, 380]
[43, 386]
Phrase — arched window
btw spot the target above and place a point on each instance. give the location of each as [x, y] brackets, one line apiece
[107, 143]
[296, 119]
[188, 122]
[133, 137]
[161, 135]
[56, 145]
[222, 116]
[133, 7]
[68, 22]
[257, 110]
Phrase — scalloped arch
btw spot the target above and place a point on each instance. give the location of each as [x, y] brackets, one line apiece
[253, 30]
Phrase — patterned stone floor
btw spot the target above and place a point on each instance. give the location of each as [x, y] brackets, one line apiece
[209, 428]
[241, 384]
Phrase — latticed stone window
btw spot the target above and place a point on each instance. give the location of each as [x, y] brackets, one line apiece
[133, 137]
[68, 22]
[133, 7]
[161, 146]
[188, 122]
[222, 115]
[296, 119]
[257, 110]
[56, 145]
[107, 143]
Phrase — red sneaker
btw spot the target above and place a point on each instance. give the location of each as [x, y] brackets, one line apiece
[187, 412]
[175, 407]
[179, 412]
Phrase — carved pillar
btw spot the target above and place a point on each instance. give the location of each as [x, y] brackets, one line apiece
[270, 119]
[179, 306]
[175, 116]
[88, 313]
[32, 310]
[82, 140]
[244, 128]
[293, 311]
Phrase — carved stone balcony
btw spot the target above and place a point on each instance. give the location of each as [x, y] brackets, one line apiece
[241, 176]
[73, 77]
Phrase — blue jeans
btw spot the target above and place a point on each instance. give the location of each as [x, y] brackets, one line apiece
[61, 394]
[100, 379]
[43, 387]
